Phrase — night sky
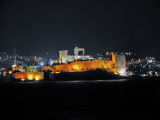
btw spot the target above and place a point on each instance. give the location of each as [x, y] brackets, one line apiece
[31, 26]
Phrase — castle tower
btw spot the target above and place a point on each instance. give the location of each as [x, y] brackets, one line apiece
[63, 56]
[114, 58]
[121, 64]
[79, 51]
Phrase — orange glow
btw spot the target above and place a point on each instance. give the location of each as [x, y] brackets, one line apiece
[4, 74]
[20, 75]
[116, 73]
[80, 66]
[14, 68]
[76, 67]
[10, 72]
[30, 77]
[45, 68]
[57, 72]
[37, 77]
[22, 79]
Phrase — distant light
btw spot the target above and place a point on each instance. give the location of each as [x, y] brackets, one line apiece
[150, 61]
[122, 73]
[13, 65]
[10, 72]
[41, 63]
[108, 58]
[22, 79]
[57, 72]
[4, 74]
[144, 75]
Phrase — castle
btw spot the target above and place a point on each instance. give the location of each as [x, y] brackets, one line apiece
[81, 62]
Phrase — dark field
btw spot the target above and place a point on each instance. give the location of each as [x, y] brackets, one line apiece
[85, 100]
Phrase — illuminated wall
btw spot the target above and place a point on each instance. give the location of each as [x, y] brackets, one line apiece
[29, 75]
[116, 65]
[80, 66]
[20, 75]
[45, 68]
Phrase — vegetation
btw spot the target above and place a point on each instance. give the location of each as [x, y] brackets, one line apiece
[98, 74]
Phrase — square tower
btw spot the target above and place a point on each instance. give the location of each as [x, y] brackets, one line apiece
[121, 64]
[79, 51]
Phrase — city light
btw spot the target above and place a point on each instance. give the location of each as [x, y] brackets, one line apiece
[22, 79]
[4, 74]
[10, 72]
[57, 72]
[41, 63]
[117, 63]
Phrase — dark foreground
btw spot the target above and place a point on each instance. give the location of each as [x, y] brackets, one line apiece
[96, 100]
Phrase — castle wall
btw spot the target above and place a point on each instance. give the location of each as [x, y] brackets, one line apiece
[29, 75]
[80, 66]
[117, 65]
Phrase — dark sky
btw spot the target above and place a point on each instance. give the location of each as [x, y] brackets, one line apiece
[32, 26]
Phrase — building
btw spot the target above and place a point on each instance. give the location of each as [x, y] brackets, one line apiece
[121, 64]
[79, 51]
[29, 76]
[79, 54]
[63, 56]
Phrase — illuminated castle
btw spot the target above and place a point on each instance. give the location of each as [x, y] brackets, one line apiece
[81, 62]
[117, 65]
